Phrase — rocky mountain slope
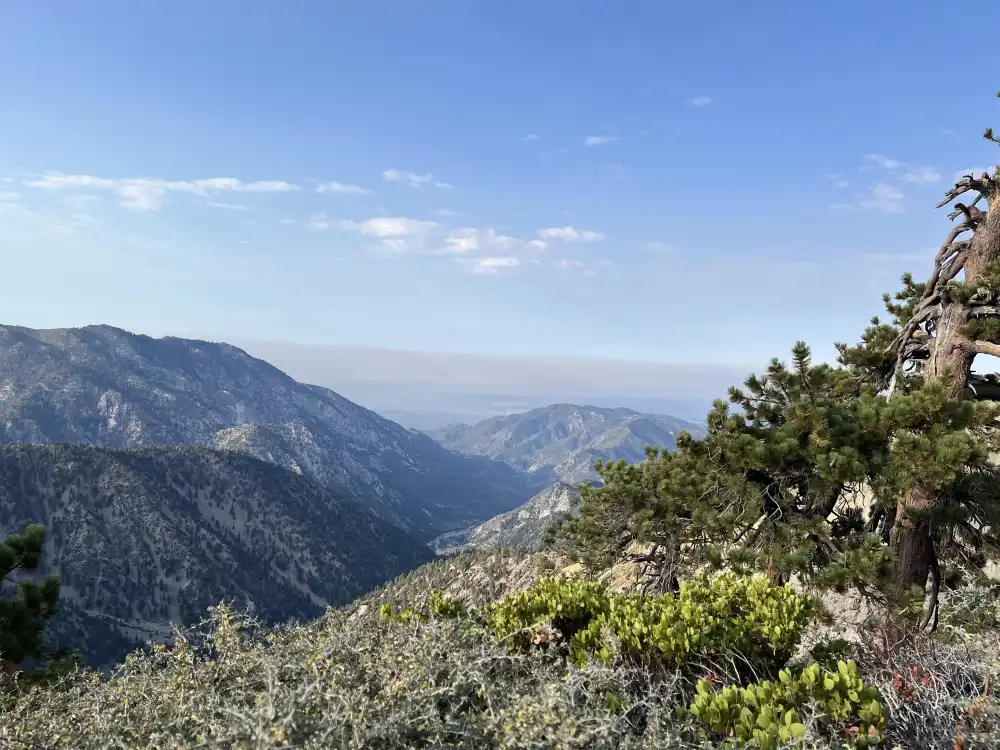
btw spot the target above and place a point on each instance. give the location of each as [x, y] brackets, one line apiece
[519, 528]
[107, 387]
[564, 441]
[145, 537]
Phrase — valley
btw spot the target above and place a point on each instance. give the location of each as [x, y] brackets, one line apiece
[171, 474]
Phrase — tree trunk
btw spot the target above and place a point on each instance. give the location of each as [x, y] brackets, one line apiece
[953, 351]
[911, 539]
[951, 356]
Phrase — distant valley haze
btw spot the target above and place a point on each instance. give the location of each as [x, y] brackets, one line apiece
[425, 390]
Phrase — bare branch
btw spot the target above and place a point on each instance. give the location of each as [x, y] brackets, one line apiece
[988, 348]
[972, 214]
[945, 250]
[954, 268]
[984, 311]
[954, 214]
[963, 186]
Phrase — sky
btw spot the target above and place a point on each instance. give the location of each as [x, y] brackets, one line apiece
[701, 183]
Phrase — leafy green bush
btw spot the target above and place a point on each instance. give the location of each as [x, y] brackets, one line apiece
[769, 715]
[568, 606]
[708, 617]
[437, 605]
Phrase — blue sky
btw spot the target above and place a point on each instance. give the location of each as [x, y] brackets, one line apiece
[700, 182]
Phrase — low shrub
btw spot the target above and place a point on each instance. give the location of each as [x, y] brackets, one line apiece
[709, 618]
[366, 683]
[436, 675]
[770, 715]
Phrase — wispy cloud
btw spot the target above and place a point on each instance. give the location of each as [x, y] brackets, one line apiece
[885, 198]
[912, 175]
[838, 180]
[600, 140]
[886, 195]
[414, 180]
[228, 206]
[146, 194]
[922, 176]
[341, 188]
[493, 265]
[569, 234]
[390, 227]
[700, 101]
[469, 239]
[883, 161]
[316, 221]
[11, 207]
[476, 249]
[531, 137]
[584, 267]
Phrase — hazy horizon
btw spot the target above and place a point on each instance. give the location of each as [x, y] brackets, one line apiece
[431, 389]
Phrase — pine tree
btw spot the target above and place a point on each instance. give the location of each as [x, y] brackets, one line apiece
[780, 482]
[774, 486]
[23, 614]
[938, 329]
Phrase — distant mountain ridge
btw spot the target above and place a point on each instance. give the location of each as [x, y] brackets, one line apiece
[519, 528]
[147, 537]
[563, 442]
[107, 387]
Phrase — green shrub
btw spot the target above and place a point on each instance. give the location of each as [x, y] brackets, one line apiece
[437, 605]
[568, 606]
[769, 715]
[708, 617]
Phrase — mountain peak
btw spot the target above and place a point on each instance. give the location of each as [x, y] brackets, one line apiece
[563, 441]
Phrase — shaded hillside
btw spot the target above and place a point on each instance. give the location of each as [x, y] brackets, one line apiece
[563, 442]
[107, 387]
[145, 537]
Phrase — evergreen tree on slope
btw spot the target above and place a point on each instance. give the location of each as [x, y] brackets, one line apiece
[25, 606]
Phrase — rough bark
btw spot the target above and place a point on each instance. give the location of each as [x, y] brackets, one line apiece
[937, 330]
[912, 540]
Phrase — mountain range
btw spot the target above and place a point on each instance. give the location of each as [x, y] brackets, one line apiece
[171, 474]
[561, 443]
[107, 387]
[559, 446]
[146, 537]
